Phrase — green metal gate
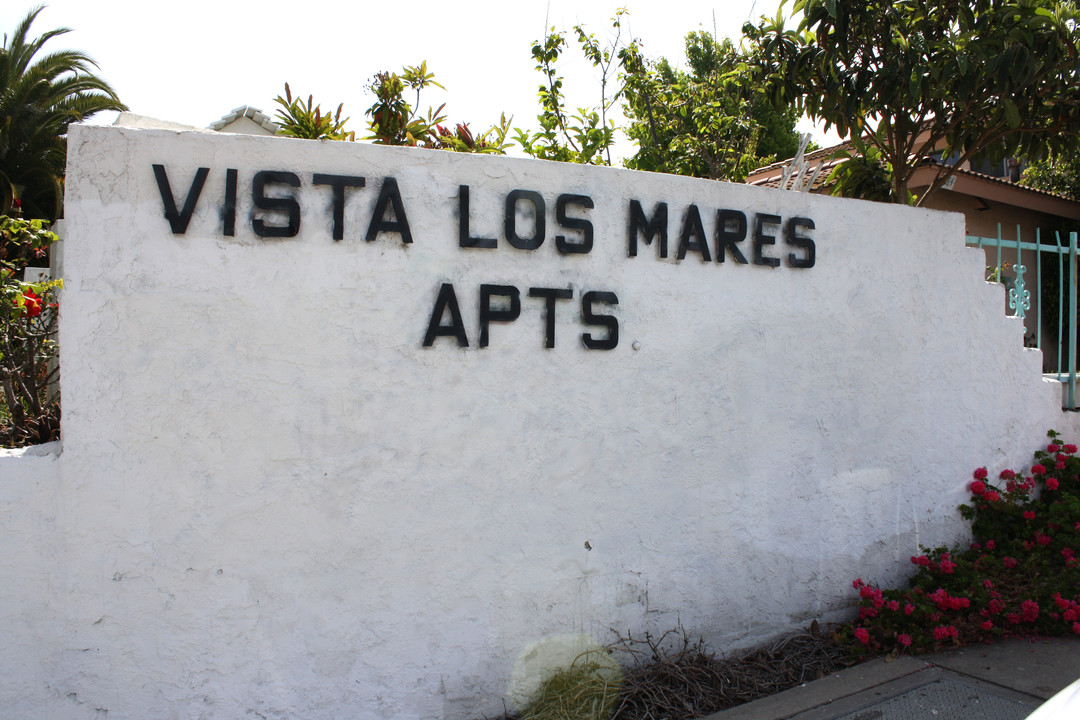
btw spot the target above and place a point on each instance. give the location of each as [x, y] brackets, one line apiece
[1051, 255]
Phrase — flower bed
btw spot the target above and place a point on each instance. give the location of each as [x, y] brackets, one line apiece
[1020, 576]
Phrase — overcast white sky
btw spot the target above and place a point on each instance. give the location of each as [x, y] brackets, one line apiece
[194, 61]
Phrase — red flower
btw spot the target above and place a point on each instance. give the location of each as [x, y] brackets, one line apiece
[862, 635]
[980, 474]
[1042, 539]
[1008, 562]
[32, 304]
[992, 496]
[1029, 514]
[857, 584]
[991, 544]
[987, 625]
[978, 487]
[1052, 448]
[944, 632]
[1037, 469]
[1007, 474]
[1051, 483]
[1070, 448]
[904, 639]
[1029, 610]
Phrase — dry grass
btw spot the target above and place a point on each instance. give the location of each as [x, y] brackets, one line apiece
[671, 677]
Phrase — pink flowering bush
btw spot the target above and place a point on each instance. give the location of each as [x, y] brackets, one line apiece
[1021, 575]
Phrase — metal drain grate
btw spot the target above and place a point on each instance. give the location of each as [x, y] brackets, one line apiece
[945, 700]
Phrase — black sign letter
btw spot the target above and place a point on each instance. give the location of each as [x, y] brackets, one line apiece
[288, 204]
[179, 220]
[648, 228]
[608, 321]
[389, 194]
[456, 329]
[488, 313]
[338, 183]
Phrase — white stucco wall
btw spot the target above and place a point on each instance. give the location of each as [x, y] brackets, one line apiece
[274, 501]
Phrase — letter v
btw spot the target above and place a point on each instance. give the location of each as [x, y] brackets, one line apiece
[179, 220]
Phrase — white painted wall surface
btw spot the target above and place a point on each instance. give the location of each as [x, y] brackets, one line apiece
[273, 502]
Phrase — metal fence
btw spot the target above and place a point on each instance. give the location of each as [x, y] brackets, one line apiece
[1054, 286]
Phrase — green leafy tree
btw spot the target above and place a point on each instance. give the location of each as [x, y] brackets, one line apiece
[396, 121]
[584, 136]
[714, 121]
[911, 78]
[40, 96]
[1058, 172]
[304, 120]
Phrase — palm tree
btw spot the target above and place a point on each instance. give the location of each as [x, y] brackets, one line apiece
[39, 98]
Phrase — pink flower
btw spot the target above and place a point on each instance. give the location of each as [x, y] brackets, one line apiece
[978, 487]
[893, 605]
[980, 474]
[1051, 483]
[857, 584]
[1060, 465]
[1029, 611]
[862, 635]
[944, 632]
[1037, 469]
[1008, 562]
[1043, 540]
[988, 584]
[904, 639]
[991, 544]
[1070, 448]
[909, 608]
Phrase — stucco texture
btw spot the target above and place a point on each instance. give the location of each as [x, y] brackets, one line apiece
[274, 501]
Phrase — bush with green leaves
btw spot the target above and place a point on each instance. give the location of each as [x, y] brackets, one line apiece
[1020, 576]
[28, 315]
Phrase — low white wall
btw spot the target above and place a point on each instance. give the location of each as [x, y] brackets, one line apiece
[274, 500]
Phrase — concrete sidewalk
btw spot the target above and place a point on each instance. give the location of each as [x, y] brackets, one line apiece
[1003, 681]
